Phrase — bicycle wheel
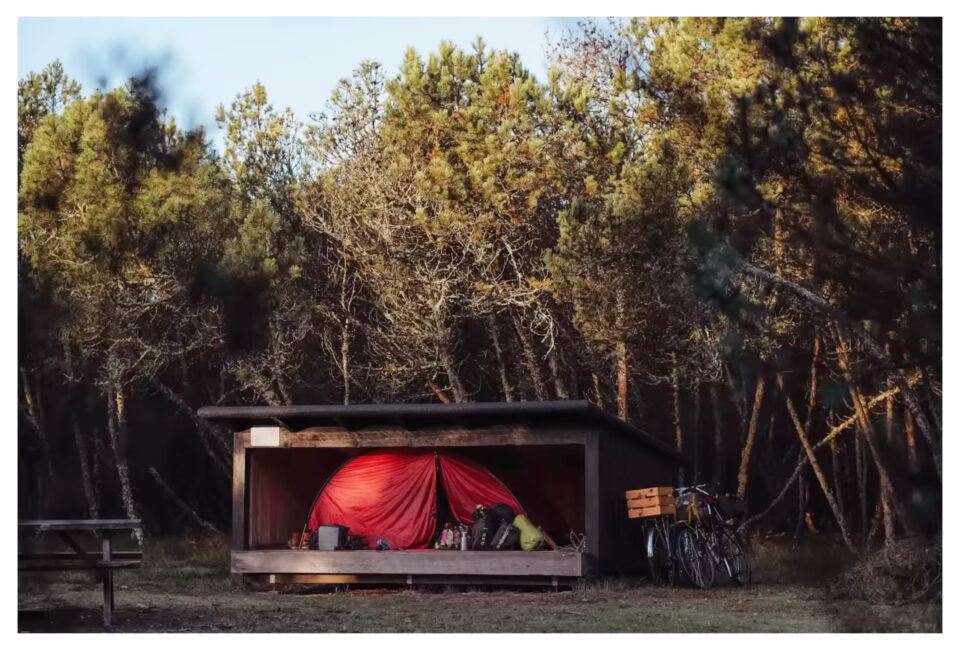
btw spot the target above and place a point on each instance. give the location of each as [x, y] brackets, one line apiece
[693, 556]
[659, 561]
[734, 556]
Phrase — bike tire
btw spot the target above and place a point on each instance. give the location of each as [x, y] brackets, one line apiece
[693, 556]
[737, 556]
[659, 562]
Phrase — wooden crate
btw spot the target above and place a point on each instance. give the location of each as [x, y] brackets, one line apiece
[647, 502]
[650, 492]
[652, 511]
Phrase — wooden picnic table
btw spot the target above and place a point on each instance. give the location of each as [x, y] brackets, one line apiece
[80, 559]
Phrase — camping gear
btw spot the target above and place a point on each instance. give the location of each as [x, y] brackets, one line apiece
[531, 537]
[393, 495]
[651, 502]
[483, 531]
[690, 505]
[501, 513]
[506, 538]
[331, 537]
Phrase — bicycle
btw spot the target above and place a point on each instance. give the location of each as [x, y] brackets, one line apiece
[693, 555]
[673, 545]
[660, 557]
[716, 528]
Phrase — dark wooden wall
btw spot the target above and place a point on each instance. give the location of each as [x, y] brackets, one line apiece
[281, 486]
[625, 464]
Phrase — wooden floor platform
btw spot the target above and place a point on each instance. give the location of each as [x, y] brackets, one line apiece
[567, 564]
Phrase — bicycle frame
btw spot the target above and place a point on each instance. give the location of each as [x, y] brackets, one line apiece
[709, 527]
[660, 522]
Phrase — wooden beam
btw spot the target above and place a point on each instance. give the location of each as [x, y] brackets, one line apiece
[70, 555]
[592, 501]
[484, 563]
[433, 437]
[399, 579]
[238, 533]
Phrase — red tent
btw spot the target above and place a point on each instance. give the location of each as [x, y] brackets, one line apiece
[393, 495]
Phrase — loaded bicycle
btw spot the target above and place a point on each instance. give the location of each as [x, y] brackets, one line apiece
[713, 520]
[673, 548]
[691, 533]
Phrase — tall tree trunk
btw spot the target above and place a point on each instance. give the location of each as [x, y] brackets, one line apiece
[530, 357]
[931, 397]
[282, 389]
[888, 429]
[861, 467]
[743, 474]
[450, 367]
[772, 425]
[677, 424]
[815, 465]
[89, 489]
[696, 434]
[34, 412]
[913, 464]
[735, 397]
[803, 487]
[345, 303]
[622, 354]
[622, 381]
[501, 364]
[835, 460]
[556, 373]
[98, 453]
[596, 390]
[719, 455]
[90, 493]
[117, 424]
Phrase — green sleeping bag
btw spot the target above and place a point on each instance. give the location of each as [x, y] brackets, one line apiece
[530, 536]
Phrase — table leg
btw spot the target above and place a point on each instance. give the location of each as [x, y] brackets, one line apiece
[107, 580]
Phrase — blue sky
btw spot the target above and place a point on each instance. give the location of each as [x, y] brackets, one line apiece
[207, 61]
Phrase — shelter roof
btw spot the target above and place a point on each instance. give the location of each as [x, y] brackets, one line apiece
[411, 416]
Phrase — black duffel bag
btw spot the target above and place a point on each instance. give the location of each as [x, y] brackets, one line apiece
[484, 528]
[507, 538]
[501, 513]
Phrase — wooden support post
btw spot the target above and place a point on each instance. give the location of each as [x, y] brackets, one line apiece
[238, 533]
[593, 499]
[107, 579]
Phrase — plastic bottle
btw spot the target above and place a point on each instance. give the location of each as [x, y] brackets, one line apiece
[445, 536]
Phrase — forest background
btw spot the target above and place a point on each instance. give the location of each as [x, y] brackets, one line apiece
[725, 231]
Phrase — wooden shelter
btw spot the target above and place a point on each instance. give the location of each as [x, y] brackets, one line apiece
[567, 462]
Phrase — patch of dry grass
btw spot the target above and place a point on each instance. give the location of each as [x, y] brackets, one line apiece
[904, 571]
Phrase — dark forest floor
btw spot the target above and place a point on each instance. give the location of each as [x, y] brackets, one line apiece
[185, 586]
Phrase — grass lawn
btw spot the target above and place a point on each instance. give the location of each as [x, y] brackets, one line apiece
[185, 585]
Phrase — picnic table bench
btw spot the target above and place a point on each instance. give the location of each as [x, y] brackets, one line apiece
[80, 559]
